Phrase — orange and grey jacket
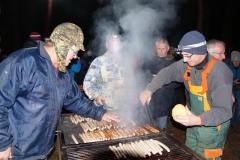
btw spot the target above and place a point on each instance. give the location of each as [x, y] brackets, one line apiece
[219, 91]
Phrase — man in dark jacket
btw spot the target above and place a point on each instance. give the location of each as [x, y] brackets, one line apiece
[162, 99]
[34, 88]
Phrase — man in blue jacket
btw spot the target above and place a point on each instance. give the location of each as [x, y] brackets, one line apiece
[34, 88]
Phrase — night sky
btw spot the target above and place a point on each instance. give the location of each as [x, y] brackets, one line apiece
[20, 17]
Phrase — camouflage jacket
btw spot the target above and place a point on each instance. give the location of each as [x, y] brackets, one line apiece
[106, 77]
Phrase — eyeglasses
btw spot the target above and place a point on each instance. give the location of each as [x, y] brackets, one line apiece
[75, 53]
[188, 57]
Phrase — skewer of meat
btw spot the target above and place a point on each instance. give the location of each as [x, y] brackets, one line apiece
[126, 149]
[87, 137]
[137, 150]
[115, 152]
[154, 130]
[162, 145]
[142, 149]
[139, 133]
[94, 124]
[106, 135]
[122, 133]
[83, 138]
[151, 147]
[80, 118]
[102, 134]
[90, 125]
[132, 132]
[121, 151]
[76, 118]
[134, 151]
[98, 135]
[85, 129]
[71, 118]
[157, 146]
[74, 139]
[145, 148]
[143, 130]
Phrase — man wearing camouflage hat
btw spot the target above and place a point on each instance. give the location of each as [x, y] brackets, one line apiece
[209, 86]
[35, 86]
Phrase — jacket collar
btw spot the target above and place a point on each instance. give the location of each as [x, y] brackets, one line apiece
[42, 50]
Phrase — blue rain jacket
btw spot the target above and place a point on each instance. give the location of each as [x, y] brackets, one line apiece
[32, 95]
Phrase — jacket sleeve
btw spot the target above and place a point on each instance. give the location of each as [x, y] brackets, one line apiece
[93, 79]
[219, 96]
[174, 72]
[11, 74]
[79, 104]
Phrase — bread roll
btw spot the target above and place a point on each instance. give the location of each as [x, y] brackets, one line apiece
[179, 110]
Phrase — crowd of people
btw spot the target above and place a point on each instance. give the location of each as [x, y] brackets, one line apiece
[42, 79]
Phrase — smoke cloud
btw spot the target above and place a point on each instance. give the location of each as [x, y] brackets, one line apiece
[141, 22]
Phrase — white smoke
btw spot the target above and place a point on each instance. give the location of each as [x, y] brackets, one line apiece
[141, 23]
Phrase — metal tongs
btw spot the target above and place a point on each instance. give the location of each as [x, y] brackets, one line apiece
[148, 112]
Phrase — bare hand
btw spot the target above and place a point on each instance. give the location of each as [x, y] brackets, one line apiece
[5, 155]
[110, 117]
[188, 120]
[100, 100]
[145, 96]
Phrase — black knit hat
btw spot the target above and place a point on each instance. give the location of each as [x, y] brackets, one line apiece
[193, 42]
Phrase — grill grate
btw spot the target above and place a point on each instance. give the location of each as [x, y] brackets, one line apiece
[100, 151]
[68, 150]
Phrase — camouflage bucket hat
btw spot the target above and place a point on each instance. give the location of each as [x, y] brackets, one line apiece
[64, 37]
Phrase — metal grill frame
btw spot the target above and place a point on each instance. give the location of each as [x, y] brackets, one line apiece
[71, 151]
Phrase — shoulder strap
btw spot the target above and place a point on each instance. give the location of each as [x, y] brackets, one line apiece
[205, 74]
[186, 75]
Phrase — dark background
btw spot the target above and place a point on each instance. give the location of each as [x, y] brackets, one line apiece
[220, 20]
